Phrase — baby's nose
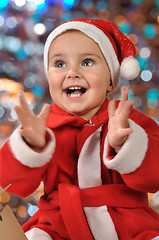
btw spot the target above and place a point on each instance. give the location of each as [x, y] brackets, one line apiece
[73, 73]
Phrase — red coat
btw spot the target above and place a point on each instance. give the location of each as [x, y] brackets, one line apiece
[88, 190]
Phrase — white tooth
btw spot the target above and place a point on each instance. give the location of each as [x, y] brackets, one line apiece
[75, 95]
[77, 88]
[74, 88]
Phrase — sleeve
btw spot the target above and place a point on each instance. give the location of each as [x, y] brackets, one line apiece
[22, 166]
[138, 159]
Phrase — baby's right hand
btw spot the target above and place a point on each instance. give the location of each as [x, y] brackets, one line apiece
[33, 127]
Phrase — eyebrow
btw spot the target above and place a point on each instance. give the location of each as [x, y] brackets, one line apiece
[82, 55]
[56, 55]
[90, 54]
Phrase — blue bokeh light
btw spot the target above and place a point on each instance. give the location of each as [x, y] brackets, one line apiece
[21, 55]
[146, 75]
[42, 8]
[143, 63]
[67, 4]
[157, 3]
[87, 4]
[101, 5]
[149, 31]
[124, 27]
[152, 95]
[32, 209]
[136, 2]
[3, 3]
[38, 91]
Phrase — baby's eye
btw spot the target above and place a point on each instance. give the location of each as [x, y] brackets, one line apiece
[60, 64]
[87, 62]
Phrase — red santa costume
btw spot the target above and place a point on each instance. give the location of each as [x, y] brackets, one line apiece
[90, 192]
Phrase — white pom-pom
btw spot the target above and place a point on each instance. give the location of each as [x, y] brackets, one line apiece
[129, 68]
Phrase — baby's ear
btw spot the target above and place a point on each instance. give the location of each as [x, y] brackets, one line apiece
[110, 87]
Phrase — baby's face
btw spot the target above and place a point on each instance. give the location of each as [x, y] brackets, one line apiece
[78, 74]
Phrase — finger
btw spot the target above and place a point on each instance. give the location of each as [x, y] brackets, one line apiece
[17, 110]
[124, 93]
[124, 115]
[20, 115]
[126, 131]
[111, 108]
[23, 102]
[45, 112]
[124, 98]
[126, 111]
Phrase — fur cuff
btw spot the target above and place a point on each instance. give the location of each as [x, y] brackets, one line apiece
[28, 157]
[132, 153]
[36, 233]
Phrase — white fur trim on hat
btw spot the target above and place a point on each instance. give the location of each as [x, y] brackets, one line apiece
[98, 36]
[126, 160]
[28, 157]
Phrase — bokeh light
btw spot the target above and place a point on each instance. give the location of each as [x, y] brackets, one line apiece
[118, 19]
[101, 5]
[2, 111]
[12, 44]
[11, 22]
[149, 31]
[145, 52]
[146, 75]
[143, 63]
[3, 3]
[13, 114]
[21, 54]
[1, 21]
[39, 29]
[136, 2]
[157, 3]
[4, 197]
[124, 27]
[38, 90]
[39, 2]
[67, 4]
[133, 38]
[42, 8]
[152, 95]
[87, 4]
[20, 3]
[22, 211]
[32, 209]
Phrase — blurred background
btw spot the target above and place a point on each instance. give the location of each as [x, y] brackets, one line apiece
[24, 27]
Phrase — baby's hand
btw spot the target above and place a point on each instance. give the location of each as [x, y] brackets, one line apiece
[33, 127]
[118, 126]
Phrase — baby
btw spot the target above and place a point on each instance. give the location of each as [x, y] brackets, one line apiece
[98, 159]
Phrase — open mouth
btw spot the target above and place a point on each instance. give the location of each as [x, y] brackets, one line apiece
[75, 91]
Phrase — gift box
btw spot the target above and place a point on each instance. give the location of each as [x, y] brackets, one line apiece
[10, 228]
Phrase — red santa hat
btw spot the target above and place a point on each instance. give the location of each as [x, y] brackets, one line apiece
[117, 49]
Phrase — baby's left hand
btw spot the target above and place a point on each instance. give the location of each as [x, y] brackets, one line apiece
[118, 126]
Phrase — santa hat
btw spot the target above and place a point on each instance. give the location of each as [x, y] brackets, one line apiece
[117, 49]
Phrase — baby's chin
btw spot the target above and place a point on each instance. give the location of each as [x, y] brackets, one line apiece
[86, 115]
